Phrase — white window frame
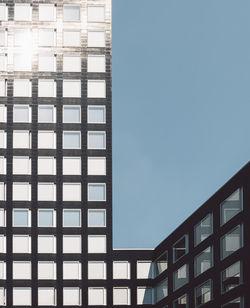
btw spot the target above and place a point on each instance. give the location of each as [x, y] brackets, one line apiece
[96, 20]
[40, 81]
[29, 217]
[79, 198]
[17, 93]
[54, 139]
[104, 270]
[54, 191]
[115, 275]
[52, 158]
[30, 12]
[90, 91]
[28, 198]
[72, 131]
[3, 237]
[15, 297]
[76, 82]
[71, 20]
[79, 211]
[5, 12]
[47, 288]
[97, 184]
[3, 217]
[96, 210]
[104, 296]
[97, 236]
[74, 106]
[79, 294]
[91, 70]
[79, 269]
[54, 217]
[29, 113]
[2, 165]
[3, 110]
[65, 158]
[128, 296]
[54, 270]
[95, 148]
[53, 237]
[48, 5]
[19, 158]
[23, 277]
[28, 237]
[3, 270]
[22, 131]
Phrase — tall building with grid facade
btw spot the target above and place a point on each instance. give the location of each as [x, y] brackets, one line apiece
[56, 181]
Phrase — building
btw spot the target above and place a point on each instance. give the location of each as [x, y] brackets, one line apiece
[56, 180]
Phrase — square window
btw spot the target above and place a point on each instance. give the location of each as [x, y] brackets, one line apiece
[96, 13]
[231, 277]
[72, 192]
[2, 218]
[22, 88]
[2, 165]
[72, 270]
[71, 12]
[96, 165]
[21, 191]
[203, 293]
[46, 37]
[21, 243]
[3, 87]
[71, 165]
[3, 12]
[72, 88]
[71, 218]
[97, 192]
[96, 140]
[144, 296]
[21, 139]
[71, 63]
[46, 88]
[47, 12]
[46, 244]
[96, 64]
[3, 112]
[46, 165]
[121, 270]
[46, 270]
[21, 270]
[46, 114]
[22, 62]
[96, 89]
[21, 218]
[21, 165]
[46, 191]
[22, 36]
[21, 296]
[2, 272]
[97, 244]
[96, 38]
[46, 218]
[97, 296]
[72, 38]
[181, 277]
[231, 242]
[121, 296]
[46, 297]
[2, 191]
[46, 63]
[2, 139]
[96, 270]
[2, 244]
[144, 270]
[72, 244]
[96, 218]
[71, 140]
[21, 113]
[71, 296]
[71, 114]
[3, 60]
[231, 206]
[46, 139]
[23, 12]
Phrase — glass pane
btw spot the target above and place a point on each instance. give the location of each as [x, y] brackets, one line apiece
[71, 218]
[231, 277]
[21, 114]
[71, 114]
[161, 264]
[235, 303]
[203, 261]
[71, 140]
[96, 192]
[97, 218]
[204, 229]
[96, 140]
[46, 114]
[231, 242]
[20, 218]
[203, 293]
[180, 277]
[181, 302]
[46, 218]
[161, 290]
[180, 248]
[96, 114]
[71, 13]
[231, 207]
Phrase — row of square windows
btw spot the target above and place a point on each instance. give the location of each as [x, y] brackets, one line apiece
[21, 191]
[47, 88]
[47, 12]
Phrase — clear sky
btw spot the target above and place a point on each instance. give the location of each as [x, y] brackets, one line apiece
[181, 110]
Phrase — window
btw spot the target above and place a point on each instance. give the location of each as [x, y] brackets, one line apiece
[161, 290]
[2, 165]
[96, 89]
[144, 296]
[161, 264]
[2, 244]
[203, 229]
[21, 139]
[21, 191]
[96, 140]
[235, 303]
[231, 242]
[46, 165]
[3, 88]
[3, 12]
[71, 88]
[71, 218]
[96, 270]
[181, 277]
[96, 64]
[2, 139]
[72, 244]
[46, 114]
[203, 261]
[96, 38]
[71, 140]
[96, 13]
[72, 270]
[203, 293]
[121, 296]
[46, 297]
[46, 218]
[2, 272]
[96, 218]
[181, 302]
[97, 244]
[72, 192]
[46, 37]
[46, 88]
[3, 112]
[71, 296]
[97, 114]
[21, 296]
[97, 192]
[180, 248]
[144, 270]
[2, 191]
[21, 218]
[46, 139]
[96, 165]
[72, 38]
[2, 218]
[22, 88]
[23, 12]
[121, 270]
[71, 63]
[21, 37]
[46, 244]
[21, 243]
[71, 114]
[21, 165]
[71, 12]
[3, 37]
[47, 12]
[21, 270]
[3, 60]
[97, 296]
[47, 63]
[46, 191]
[72, 165]
[231, 277]
[46, 270]
[21, 113]
[21, 62]
[231, 206]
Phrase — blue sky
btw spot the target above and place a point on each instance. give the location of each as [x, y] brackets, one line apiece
[181, 110]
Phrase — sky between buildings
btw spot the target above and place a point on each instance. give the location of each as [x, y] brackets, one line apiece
[181, 110]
